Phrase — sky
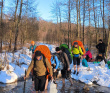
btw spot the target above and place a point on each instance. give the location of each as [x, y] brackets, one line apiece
[44, 9]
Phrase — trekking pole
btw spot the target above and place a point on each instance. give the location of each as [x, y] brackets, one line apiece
[24, 83]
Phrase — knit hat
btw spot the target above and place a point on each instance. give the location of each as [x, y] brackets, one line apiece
[38, 53]
[57, 49]
[87, 49]
[100, 40]
[32, 42]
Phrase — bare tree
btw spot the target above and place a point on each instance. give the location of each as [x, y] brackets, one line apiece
[1, 24]
[69, 21]
[17, 26]
[83, 20]
[108, 41]
[77, 8]
[14, 24]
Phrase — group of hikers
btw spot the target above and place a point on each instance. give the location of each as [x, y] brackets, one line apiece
[44, 68]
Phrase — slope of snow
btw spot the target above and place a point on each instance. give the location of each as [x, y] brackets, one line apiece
[96, 73]
[15, 71]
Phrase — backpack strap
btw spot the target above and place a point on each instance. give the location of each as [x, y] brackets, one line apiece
[44, 61]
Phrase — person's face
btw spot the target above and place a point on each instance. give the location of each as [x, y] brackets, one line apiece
[84, 56]
[57, 51]
[75, 45]
[38, 57]
[32, 44]
[100, 41]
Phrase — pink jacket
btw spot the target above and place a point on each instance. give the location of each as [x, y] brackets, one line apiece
[89, 54]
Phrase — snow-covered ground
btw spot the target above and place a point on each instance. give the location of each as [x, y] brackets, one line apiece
[23, 58]
[96, 73]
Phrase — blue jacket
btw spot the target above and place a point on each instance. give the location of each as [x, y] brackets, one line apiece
[56, 61]
[84, 63]
[32, 48]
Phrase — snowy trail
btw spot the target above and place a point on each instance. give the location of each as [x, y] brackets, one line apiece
[23, 56]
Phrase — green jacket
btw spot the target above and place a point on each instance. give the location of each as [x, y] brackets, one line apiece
[76, 50]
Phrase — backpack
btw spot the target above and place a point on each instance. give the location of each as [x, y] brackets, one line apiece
[46, 52]
[80, 44]
[47, 73]
[102, 64]
[108, 64]
[67, 51]
[84, 63]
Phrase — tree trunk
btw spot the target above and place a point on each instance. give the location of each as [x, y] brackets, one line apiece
[1, 26]
[103, 22]
[95, 21]
[10, 40]
[17, 26]
[108, 42]
[69, 23]
[90, 35]
[83, 20]
[77, 8]
[80, 22]
[25, 37]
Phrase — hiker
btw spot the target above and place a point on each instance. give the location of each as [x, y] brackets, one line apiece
[101, 49]
[99, 57]
[64, 66]
[68, 53]
[32, 48]
[77, 52]
[88, 55]
[39, 63]
[84, 61]
[55, 64]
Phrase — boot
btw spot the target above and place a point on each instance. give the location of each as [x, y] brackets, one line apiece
[77, 73]
[74, 72]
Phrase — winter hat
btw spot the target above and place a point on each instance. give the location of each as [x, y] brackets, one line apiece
[38, 53]
[100, 40]
[75, 43]
[32, 42]
[57, 49]
[87, 49]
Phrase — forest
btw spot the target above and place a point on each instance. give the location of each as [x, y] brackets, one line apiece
[84, 20]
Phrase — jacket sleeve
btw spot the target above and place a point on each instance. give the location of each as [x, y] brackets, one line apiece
[52, 61]
[34, 47]
[67, 60]
[57, 62]
[80, 50]
[49, 67]
[97, 46]
[30, 68]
